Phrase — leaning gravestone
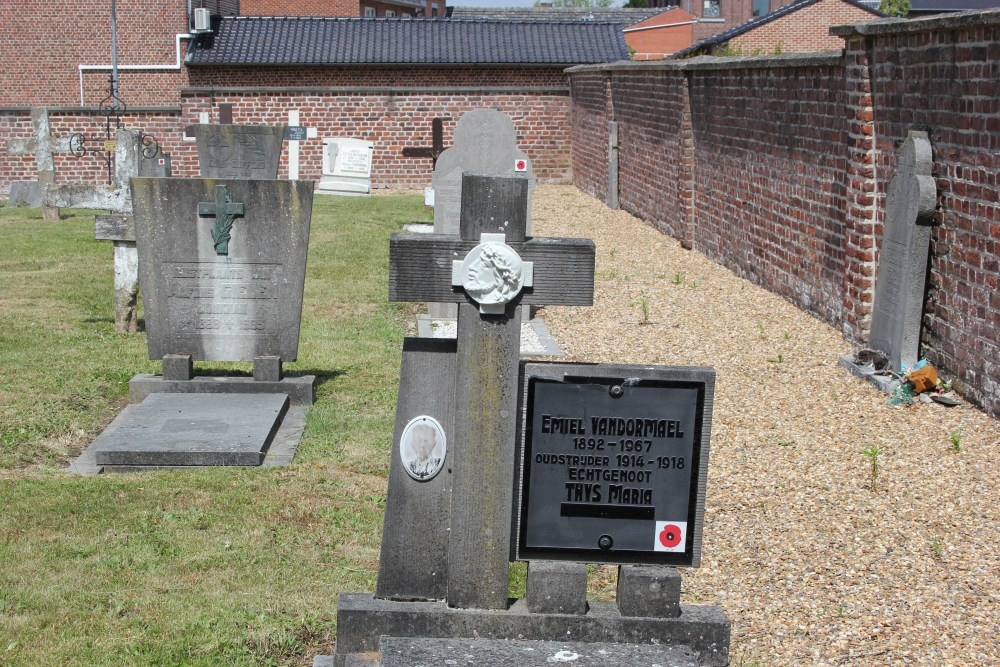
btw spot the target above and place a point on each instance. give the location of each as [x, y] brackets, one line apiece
[485, 143]
[42, 145]
[451, 508]
[347, 167]
[239, 151]
[222, 266]
[901, 278]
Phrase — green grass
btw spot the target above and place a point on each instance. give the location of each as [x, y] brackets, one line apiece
[211, 567]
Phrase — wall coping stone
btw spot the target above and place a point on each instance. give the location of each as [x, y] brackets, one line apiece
[369, 90]
[938, 22]
[820, 59]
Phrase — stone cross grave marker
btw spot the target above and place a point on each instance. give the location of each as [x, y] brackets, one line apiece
[116, 228]
[490, 270]
[42, 145]
[485, 143]
[902, 266]
[222, 270]
[239, 151]
[347, 167]
[449, 520]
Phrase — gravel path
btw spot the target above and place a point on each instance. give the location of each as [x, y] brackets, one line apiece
[811, 564]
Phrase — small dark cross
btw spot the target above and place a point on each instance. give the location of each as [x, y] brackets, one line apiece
[437, 143]
[224, 209]
[501, 271]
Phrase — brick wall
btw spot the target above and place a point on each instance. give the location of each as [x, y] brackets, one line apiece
[39, 65]
[392, 119]
[777, 167]
[942, 75]
[299, 8]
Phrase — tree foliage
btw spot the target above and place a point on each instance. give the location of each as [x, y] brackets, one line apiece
[894, 7]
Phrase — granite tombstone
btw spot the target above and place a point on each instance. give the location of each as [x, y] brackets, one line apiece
[239, 151]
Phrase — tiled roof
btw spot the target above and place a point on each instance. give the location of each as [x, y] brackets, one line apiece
[623, 15]
[951, 5]
[724, 37]
[256, 40]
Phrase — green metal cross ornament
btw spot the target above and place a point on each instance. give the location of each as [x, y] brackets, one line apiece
[224, 209]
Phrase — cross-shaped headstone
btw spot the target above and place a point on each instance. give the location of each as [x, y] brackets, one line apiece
[437, 144]
[225, 210]
[116, 228]
[42, 145]
[490, 270]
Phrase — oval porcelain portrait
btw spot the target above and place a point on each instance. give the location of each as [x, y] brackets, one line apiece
[423, 448]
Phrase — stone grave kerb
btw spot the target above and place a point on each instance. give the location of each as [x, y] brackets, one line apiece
[492, 244]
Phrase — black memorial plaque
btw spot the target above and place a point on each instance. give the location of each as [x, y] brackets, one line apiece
[614, 463]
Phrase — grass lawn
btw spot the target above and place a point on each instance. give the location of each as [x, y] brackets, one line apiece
[212, 567]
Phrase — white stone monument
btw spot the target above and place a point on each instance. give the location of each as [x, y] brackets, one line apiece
[347, 167]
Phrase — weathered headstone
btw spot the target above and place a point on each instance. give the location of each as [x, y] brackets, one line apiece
[157, 166]
[347, 167]
[239, 151]
[42, 145]
[485, 143]
[901, 278]
[448, 537]
[222, 270]
[222, 266]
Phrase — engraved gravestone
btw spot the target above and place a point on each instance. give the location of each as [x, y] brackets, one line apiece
[485, 143]
[615, 460]
[347, 167]
[239, 151]
[222, 265]
[902, 268]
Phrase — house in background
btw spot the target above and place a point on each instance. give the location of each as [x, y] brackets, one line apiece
[920, 8]
[326, 8]
[799, 27]
[661, 35]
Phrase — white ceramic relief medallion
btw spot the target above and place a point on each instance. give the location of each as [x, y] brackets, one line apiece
[492, 274]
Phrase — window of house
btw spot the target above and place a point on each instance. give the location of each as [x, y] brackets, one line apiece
[389, 13]
[761, 7]
[404, 15]
[434, 9]
[369, 12]
[710, 8]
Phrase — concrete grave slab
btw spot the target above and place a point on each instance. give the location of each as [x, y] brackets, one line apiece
[191, 430]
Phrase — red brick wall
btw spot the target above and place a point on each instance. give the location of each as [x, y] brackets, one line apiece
[789, 164]
[299, 8]
[39, 63]
[948, 83]
[392, 120]
[590, 114]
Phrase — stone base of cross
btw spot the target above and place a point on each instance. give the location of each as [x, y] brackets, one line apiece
[117, 228]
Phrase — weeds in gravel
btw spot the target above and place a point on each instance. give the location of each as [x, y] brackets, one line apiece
[872, 453]
[937, 547]
[678, 279]
[760, 331]
[955, 438]
[786, 443]
[787, 335]
[643, 301]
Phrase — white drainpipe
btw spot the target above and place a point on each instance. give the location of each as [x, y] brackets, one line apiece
[106, 68]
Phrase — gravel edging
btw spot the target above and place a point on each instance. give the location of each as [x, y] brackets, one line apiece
[812, 566]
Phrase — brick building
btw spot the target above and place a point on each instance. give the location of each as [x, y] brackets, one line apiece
[801, 26]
